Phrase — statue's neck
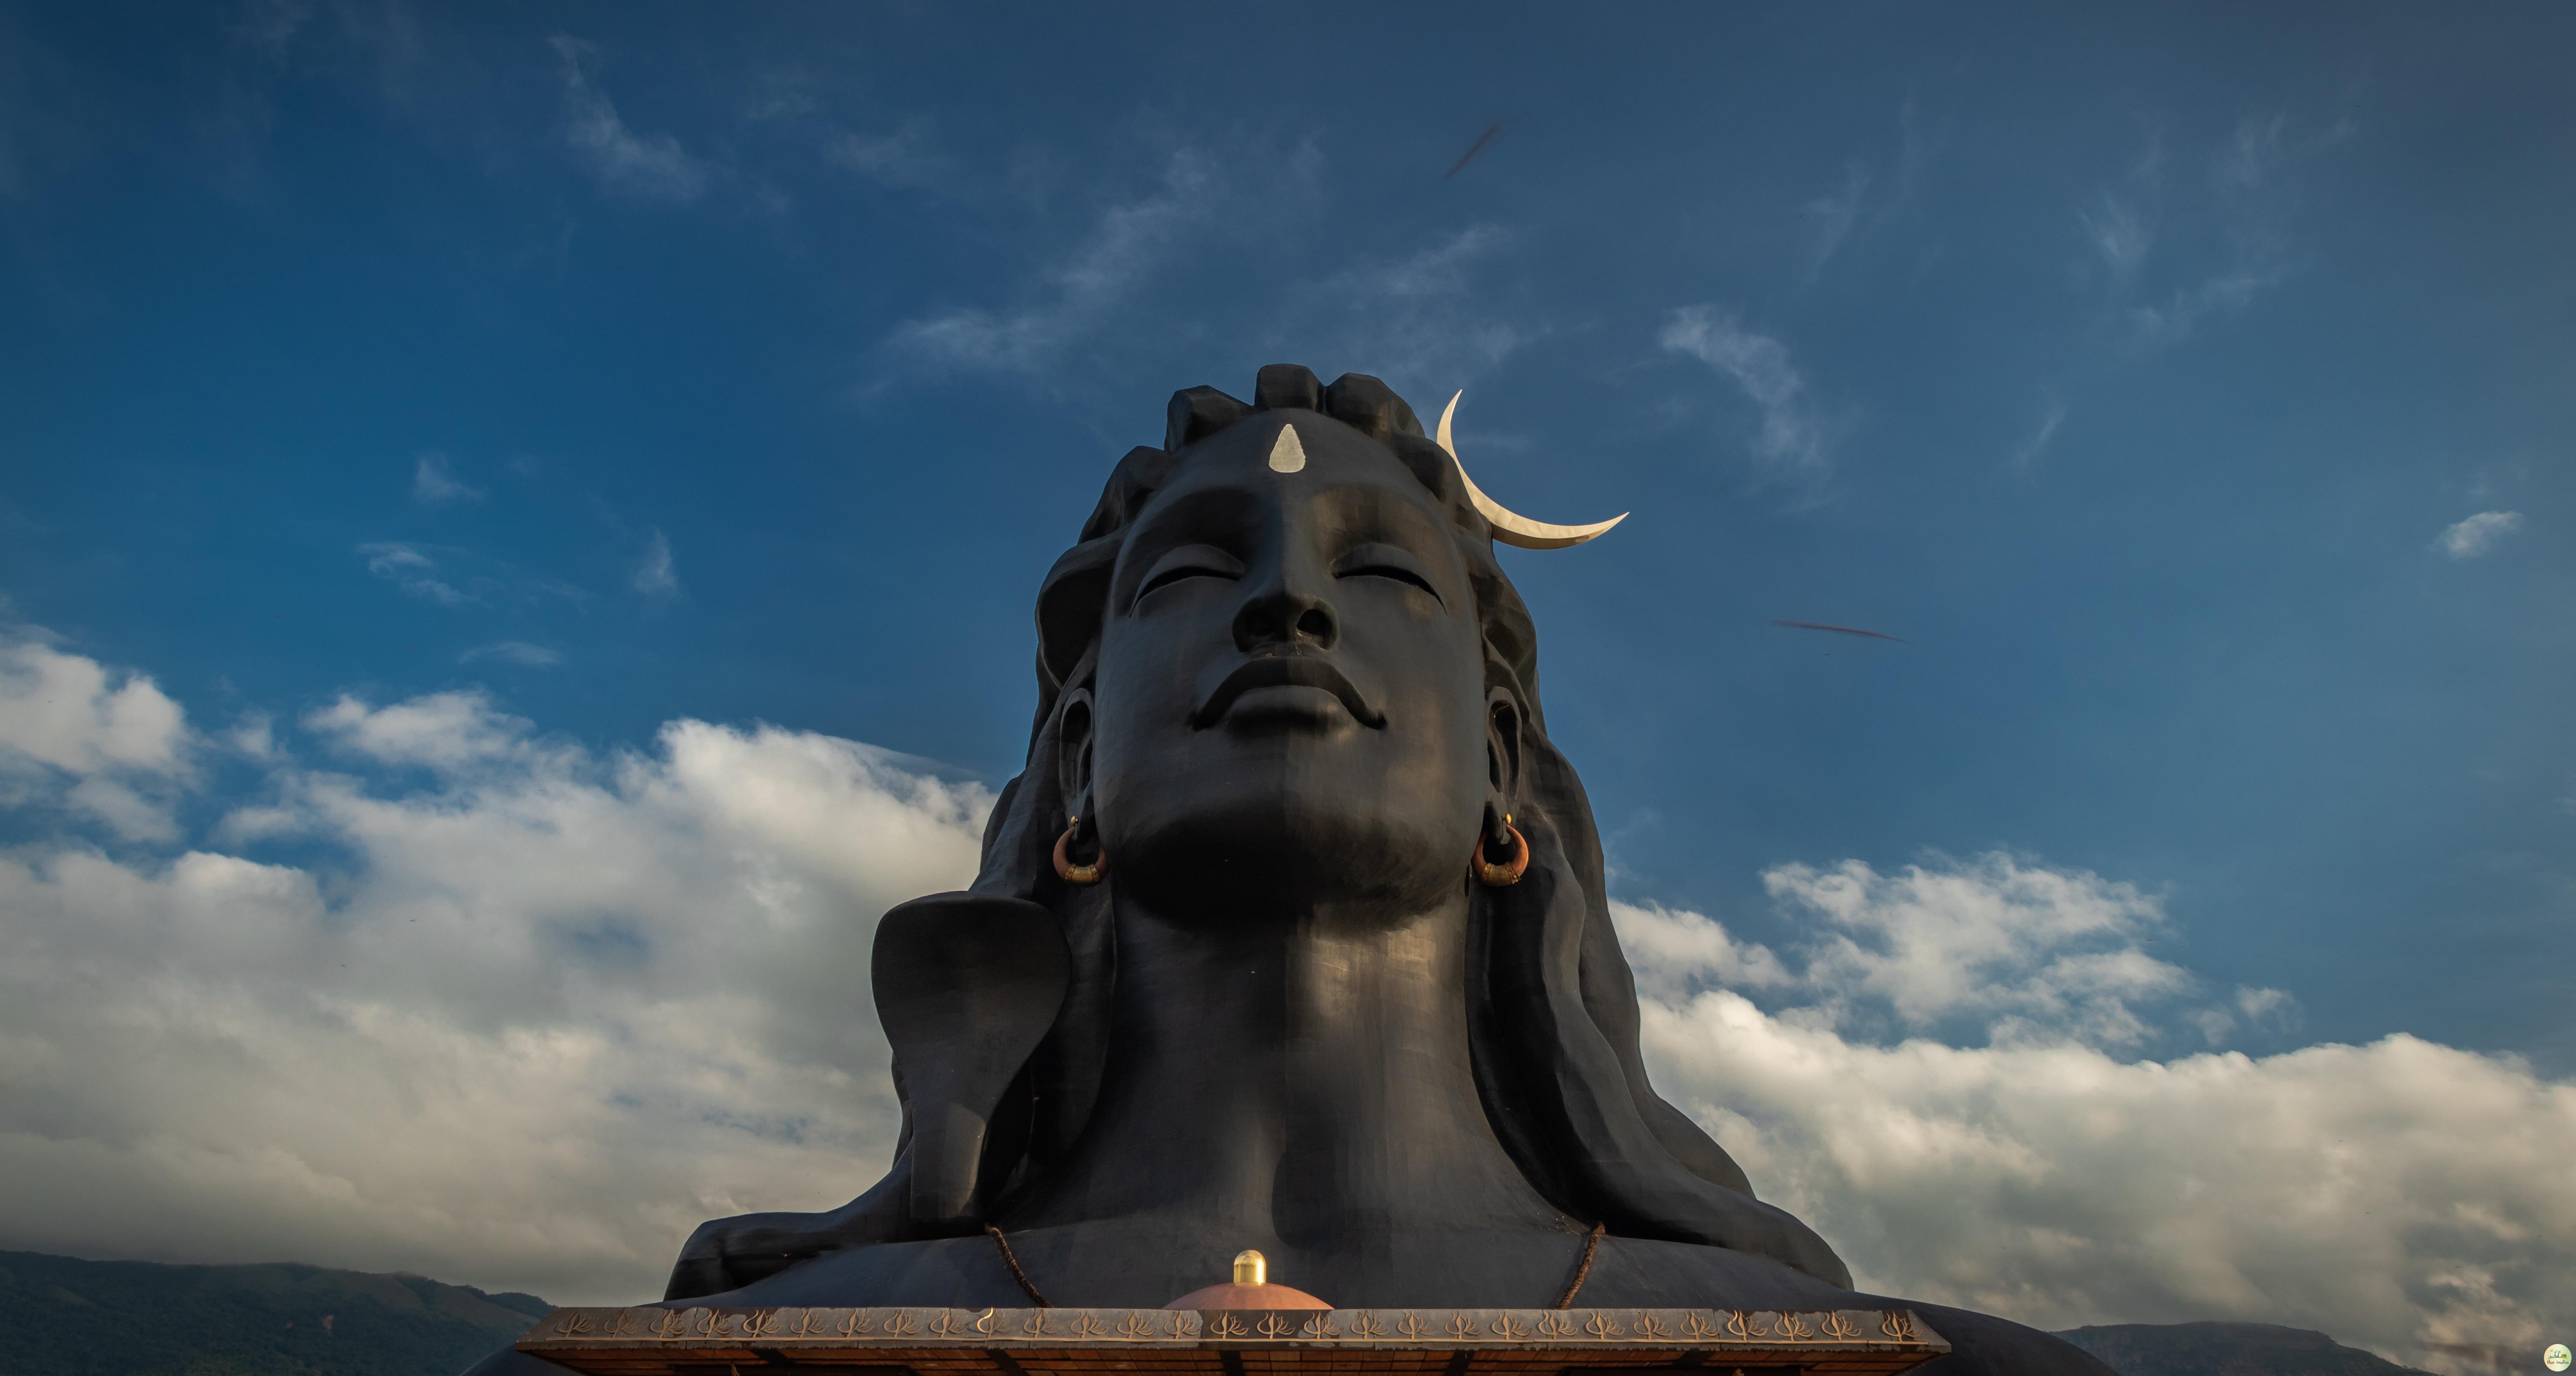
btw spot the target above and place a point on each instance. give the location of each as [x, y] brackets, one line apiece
[1285, 1080]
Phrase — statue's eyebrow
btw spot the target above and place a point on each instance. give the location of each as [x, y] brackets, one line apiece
[1390, 518]
[1223, 516]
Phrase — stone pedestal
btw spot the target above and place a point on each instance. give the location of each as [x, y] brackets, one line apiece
[1233, 1342]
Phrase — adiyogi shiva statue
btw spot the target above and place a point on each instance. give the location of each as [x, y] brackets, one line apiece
[1292, 936]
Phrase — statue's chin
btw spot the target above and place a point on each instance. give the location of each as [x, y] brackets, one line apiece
[1273, 858]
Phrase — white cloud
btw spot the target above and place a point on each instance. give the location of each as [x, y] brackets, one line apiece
[72, 713]
[434, 482]
[73, 735]
[654, 575]
[648, 167]
[1993, 948]
[1127, 243]
[2403, 1195]
[530, 1022]
[2478, 534]
[1794, 440]
[443, 730]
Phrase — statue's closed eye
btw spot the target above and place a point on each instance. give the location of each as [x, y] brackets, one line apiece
[1387, 561]
[1189, 561]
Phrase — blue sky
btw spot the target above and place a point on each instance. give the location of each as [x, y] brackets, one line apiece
[2188, 387]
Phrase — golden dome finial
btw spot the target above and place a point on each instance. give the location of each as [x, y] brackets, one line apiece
[1251, 1268]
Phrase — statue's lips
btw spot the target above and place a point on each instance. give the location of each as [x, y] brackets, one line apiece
[1286, 671]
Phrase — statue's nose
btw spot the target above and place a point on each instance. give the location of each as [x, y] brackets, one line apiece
[1283, 617]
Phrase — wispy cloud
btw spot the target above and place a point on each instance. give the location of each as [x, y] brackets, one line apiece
[434, 482]
[2051, 416]
[1794, 440]
[907, 157]
[1125, 244]
[455, 576]
[651, 167]
[409, 567]
[517, 652]
[2173, 253]
[2478, 534]
[654, 575]
[1867, 200]
[1418, 321]
[2119, 235]
[1833, 215]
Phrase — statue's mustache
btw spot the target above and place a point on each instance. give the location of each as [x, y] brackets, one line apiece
[1286, 670]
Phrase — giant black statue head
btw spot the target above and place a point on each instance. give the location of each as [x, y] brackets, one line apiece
[1283, 684]
[1283, 670]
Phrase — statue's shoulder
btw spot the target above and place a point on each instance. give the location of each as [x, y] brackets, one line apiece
[955, 1272]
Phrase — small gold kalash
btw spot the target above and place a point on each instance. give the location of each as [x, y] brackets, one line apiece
[1250, 1289]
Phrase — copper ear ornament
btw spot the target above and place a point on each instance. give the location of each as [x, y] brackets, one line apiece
[1487, 872]
[1070, 872]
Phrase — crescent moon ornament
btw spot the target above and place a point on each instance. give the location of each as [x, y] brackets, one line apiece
[1511, 527]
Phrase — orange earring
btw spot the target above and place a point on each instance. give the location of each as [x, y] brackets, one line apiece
[1503, 875]
[1072, 873]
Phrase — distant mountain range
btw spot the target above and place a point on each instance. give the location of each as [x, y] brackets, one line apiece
[2227, 1349]
[67, 1317]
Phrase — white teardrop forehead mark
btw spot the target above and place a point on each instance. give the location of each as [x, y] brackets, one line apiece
[1289, 454]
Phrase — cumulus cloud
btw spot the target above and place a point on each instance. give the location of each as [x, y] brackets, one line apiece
[434, 482]
[2402, 1195]
[74, 735]
[2467, 539]
[1795, 439]
[1993, 948]
[650, 167]
[521, 1012]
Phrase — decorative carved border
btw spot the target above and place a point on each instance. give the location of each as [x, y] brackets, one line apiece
[1861, 1330]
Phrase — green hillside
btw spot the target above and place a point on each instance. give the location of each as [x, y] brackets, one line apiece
[2227, 1349]
[69, 1317]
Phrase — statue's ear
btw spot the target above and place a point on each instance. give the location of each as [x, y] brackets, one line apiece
[1073, 749]
[1503, 743]
[967, 984]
